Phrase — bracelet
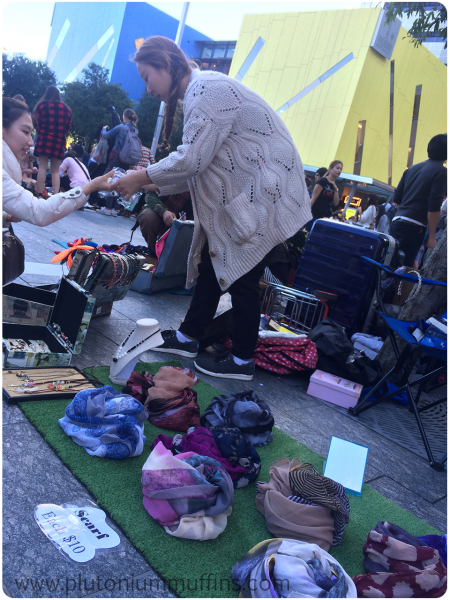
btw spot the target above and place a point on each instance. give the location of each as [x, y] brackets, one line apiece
[115, 271]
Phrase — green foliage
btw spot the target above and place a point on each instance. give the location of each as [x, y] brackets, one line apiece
[30, 78]
[88, 100]
[147, 111]
[427, 21]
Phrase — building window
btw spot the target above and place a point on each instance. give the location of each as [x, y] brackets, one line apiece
[391, 123]
[359, 147]
[415, 119]
[216, 56]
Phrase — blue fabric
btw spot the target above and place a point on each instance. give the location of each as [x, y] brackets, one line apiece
[405, 276]
[401, 397]
[108, 424]
[439, 543]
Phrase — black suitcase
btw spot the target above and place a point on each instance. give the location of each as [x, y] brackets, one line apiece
[331, 262]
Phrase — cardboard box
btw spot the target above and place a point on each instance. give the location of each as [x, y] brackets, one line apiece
[72, 311]
[334, 389]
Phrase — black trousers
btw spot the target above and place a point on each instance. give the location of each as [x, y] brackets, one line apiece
[245, 299]
[410, 237]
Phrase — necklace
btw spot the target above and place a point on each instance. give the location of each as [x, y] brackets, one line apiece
[120, 354]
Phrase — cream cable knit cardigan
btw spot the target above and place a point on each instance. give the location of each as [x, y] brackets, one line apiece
[244, 174]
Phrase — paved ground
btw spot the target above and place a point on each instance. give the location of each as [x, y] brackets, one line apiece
[33, 474]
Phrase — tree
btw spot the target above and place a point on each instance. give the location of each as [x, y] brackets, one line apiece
[431, 300]
[88, 100]
[427, 23]
[147, 111]
[27, 77]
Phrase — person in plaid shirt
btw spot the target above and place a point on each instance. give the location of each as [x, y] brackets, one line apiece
[52, 119]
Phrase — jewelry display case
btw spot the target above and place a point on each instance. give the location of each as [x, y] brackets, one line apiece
[27, 305]
[64, 332]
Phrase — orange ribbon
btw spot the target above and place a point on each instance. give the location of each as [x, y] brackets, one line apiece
[77, 245]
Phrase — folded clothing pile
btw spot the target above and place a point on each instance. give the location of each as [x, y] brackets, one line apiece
[400, 566]
[106, 423]
[245, 411]
[299, 503]
[225, 444]
[287, 568]
[189, 495]
[168, 397]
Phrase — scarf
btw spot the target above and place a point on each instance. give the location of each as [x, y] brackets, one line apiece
[244, 411]
[188, 494]
[167, 396]
[108, 424]
[283, 568]
[236, 454]
[400, 566]
[308, 523]
[306, 482]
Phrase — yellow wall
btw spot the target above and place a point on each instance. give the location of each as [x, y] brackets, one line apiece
[412, 67]
[300, 47]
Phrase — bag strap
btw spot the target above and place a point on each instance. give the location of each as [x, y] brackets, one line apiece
[86, 172]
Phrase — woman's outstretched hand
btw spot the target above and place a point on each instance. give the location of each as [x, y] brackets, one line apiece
[130, 183]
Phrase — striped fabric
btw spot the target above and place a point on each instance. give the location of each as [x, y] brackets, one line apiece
[53, 121]
[308, 485]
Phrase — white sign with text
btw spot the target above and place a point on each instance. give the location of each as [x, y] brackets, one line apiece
[76, 531]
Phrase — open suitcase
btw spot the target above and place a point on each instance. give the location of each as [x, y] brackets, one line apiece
[331, 262]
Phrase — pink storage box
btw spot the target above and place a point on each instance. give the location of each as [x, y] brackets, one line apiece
[334, 389]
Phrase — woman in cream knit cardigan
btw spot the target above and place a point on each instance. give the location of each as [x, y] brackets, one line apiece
[248, 192]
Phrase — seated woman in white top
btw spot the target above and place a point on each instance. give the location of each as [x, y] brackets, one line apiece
[368, 210]
[72, 171]
[20, 204]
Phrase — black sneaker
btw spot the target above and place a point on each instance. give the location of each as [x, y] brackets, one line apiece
[224, 366]
[172, 345]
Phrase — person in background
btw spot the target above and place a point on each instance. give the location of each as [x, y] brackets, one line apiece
[158, 214]
[53, 119]
[118, 135]
[147, 159]
[115, 119]
[325, 194]
[19, 97]
[321, 172]
[419, 196]
[368, 211]
[386, 212]
[21, 204]
[308, 186]
[72, 171]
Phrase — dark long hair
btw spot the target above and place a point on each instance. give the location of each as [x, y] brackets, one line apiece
[52, 94]
[162, 53]
[12, 110]
[372, 200]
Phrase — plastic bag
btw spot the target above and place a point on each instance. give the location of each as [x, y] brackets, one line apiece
[101, 152]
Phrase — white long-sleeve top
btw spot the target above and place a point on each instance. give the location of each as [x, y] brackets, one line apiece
[21, 203]
[244, 174]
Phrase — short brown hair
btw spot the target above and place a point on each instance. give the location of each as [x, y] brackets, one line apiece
[12, 110]
[162, 53]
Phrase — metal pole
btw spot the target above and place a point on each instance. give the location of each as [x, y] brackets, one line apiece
[350, 197]
[160, 119]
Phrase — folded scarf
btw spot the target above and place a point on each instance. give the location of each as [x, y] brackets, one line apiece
[168, 397]
[283, 568]
[106, 423]
[306, 482]
[242, 462]
[400, 566]
[188, 494]
[245, 411]
[284, 518]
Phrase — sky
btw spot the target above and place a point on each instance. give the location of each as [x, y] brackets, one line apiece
[26, 26]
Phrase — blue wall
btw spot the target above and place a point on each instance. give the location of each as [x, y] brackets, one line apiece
[142, 21]
[130, 20]
[88, 22]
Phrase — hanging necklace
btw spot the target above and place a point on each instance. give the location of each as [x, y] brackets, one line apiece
[120, 354]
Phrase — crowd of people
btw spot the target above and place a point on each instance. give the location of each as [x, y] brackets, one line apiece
[227, 175]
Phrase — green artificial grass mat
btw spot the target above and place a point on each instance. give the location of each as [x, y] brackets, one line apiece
[186, 564]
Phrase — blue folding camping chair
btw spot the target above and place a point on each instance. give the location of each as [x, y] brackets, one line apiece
[434, 348]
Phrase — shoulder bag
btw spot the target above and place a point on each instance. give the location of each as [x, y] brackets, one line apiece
[13, 256]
